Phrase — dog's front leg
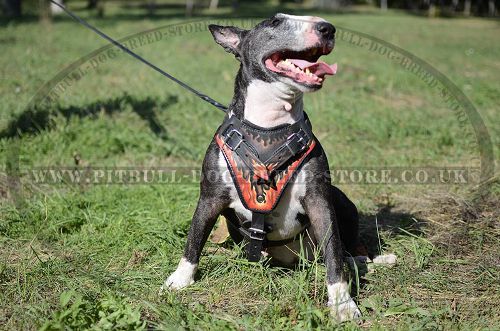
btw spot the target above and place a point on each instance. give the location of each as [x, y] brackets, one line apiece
[207, 211]
[324, 227]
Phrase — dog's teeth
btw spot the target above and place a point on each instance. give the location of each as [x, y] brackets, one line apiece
[284, 63]
[309, 73]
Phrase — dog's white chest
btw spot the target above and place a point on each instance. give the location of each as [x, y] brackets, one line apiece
[283, 219]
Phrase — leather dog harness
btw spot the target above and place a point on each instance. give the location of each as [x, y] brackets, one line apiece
[262, 161]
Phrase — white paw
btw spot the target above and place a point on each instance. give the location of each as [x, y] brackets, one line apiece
[183, 276]
[177, 281]
[342, 306]
[387, 259]
[345, 311]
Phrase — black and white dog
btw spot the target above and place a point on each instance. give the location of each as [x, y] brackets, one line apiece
[279, 62]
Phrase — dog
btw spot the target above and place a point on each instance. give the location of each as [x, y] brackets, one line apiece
[278, 64]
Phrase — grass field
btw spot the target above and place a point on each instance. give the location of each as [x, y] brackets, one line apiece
[94, 256]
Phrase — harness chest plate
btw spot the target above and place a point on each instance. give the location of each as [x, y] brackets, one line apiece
[262, 161]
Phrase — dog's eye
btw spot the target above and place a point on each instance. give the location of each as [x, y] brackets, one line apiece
[275, 21]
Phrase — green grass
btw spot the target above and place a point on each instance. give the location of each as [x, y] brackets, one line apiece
[80, 257]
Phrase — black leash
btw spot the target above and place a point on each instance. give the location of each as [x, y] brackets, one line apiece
[138, 57]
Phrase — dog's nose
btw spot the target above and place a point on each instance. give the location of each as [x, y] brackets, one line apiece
[325, 29]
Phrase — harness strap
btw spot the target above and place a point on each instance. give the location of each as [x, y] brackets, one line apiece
[256, 237]
[295, 144]
[235, 141]
[233, 135]
[245, 232]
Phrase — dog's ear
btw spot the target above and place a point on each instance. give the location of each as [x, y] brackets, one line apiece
[229, 37]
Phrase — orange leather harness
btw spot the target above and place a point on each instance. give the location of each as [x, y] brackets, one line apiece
[262, 161]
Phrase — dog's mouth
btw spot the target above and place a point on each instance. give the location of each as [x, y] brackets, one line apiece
[303, 67]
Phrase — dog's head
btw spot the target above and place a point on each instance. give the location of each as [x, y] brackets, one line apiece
[283, 48]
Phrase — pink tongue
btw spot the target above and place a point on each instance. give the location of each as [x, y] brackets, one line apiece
[318, 68]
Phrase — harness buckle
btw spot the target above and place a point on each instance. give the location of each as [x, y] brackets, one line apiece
[228, 139]
[256, 234]
[302, 136]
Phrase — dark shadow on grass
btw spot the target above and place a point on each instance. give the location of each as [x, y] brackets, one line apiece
[371, 226]
[388, 221]
[391, 223]
[36, 120]
[25, 19]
